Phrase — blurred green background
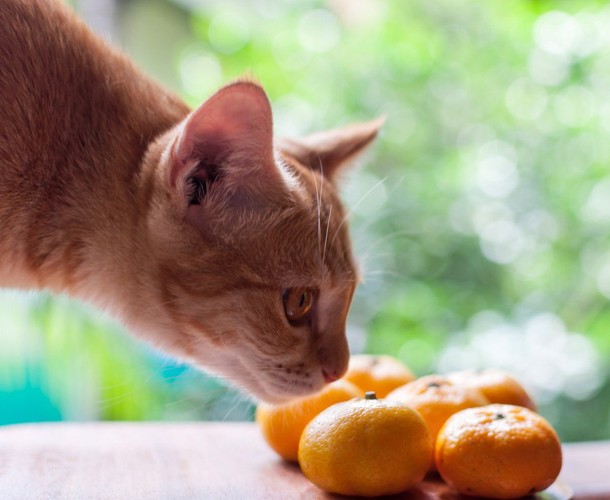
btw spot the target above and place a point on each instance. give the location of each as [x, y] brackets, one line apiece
[481, 216]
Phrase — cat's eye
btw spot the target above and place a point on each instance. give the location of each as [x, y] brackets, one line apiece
[298, 303]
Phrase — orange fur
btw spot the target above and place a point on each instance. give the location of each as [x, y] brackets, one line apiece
[98, 165]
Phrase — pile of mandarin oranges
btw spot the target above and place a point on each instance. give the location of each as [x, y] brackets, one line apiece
[380, 430]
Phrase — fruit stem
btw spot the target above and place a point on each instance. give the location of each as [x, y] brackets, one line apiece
[370, 395]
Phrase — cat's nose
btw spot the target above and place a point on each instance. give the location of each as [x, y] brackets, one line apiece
[335, 369]
[330, 376]
[333, 354]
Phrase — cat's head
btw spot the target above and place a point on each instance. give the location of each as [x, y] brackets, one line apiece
[252, 270]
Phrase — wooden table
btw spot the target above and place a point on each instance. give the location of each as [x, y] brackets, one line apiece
[194, 461]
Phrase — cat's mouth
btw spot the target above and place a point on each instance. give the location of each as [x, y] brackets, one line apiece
[281, 390]
[279, 396]
[276, 384]
[280, 383]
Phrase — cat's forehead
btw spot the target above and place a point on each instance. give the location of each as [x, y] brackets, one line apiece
[313, 188]
[304, 242]
[303, 239]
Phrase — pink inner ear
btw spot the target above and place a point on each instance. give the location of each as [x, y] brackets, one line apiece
[234, 123]
[331, 150]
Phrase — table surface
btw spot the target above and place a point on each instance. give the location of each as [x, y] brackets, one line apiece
[199, 460]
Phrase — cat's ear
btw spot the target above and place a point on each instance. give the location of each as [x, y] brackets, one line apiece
[228, 138]
[331, 150]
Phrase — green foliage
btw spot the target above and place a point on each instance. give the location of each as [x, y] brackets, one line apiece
[481, 216]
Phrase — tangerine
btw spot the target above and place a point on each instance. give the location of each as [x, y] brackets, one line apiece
[498, 451]
[497, 386]
[380, 374]
[282, 425]
[436, 398]
[366, 447]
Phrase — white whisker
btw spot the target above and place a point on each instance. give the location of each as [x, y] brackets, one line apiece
[236, 402]
[348, 215]
[315, 183]
[330, 213]
[387, 237]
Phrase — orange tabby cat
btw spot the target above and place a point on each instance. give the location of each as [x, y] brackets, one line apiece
[193, 227]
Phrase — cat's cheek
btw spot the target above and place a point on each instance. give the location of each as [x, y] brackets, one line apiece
[246, 379]
[195, 217]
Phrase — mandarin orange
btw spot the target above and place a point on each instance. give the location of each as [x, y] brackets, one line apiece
[436, 398]
[380, 374]
[282, 425]
[498, 451]
[366, 447]
[497, 386]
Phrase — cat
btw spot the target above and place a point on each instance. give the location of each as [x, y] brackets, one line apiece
[196, 229]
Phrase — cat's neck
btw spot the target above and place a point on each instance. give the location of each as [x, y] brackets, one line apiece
[77, 120]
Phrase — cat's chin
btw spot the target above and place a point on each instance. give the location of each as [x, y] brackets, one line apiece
[275, 398]
[259, 388]
[282, 397]
[270, 388]
[276, 392]
[271, 385]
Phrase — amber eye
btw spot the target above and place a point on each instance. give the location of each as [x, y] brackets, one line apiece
[298, 303]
